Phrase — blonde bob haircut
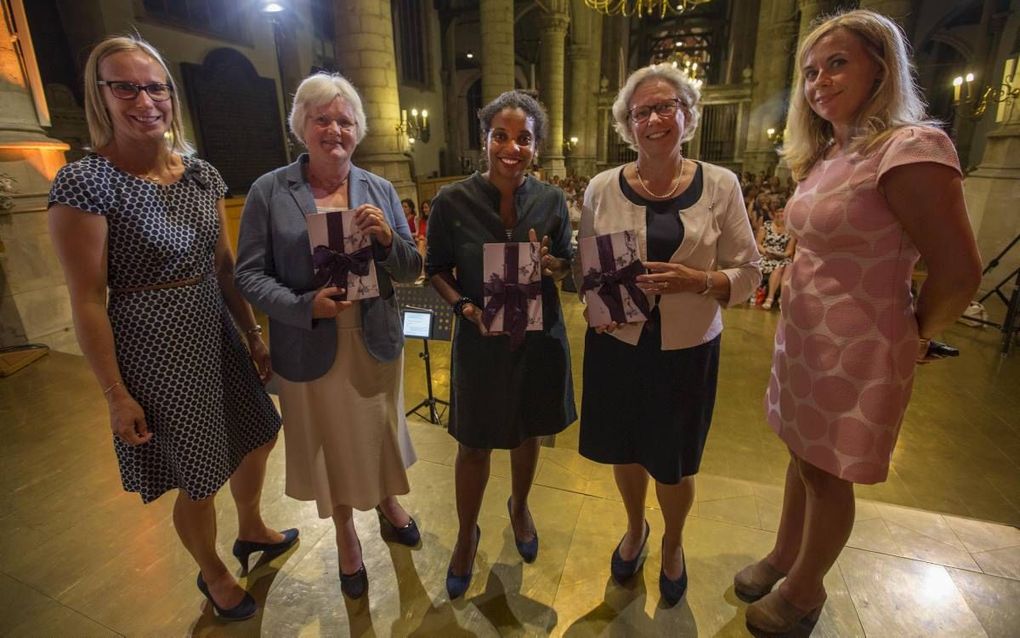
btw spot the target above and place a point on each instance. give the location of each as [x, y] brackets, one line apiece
[98, 118]
[318, 90]
[688, 93]
[895, 102]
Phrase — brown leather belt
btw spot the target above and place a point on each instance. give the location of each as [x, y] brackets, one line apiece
[191, 281]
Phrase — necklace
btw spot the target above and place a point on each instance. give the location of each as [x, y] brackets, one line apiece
[675, 183]
[157, 178]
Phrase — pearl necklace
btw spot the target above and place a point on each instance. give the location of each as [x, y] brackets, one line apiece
[676, 181]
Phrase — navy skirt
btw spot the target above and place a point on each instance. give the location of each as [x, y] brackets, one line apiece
[641, 404]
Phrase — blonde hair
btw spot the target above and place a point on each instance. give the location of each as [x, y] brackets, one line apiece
[685, 88]
[98, 118]
[896, 100]
[319, 89]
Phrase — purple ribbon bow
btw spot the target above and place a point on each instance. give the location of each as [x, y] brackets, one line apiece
[332, 266]
[610, 279]
[511, 296]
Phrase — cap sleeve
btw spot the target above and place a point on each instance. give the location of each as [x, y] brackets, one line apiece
[918, 144]
[216, 182]
[219, 185]
[80, 185]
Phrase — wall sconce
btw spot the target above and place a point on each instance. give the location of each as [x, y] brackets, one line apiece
[775, 136]
[973, 104]
[570, 144]
[416, 127]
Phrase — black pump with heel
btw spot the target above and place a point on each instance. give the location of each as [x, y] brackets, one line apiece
[244, 549]
[241, 611]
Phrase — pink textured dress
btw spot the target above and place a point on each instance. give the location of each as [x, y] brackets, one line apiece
[843, 365]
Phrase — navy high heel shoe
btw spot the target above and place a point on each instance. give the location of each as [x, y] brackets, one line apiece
[354, 585]
[244, 549]
[527, 549]
[673, 590]
[623, 570]
[457, 585]
[241, 611]
[407, 535]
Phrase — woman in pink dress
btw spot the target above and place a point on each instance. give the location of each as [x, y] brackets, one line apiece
[877, 187]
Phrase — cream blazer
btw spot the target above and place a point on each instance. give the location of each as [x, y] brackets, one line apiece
[717, 236]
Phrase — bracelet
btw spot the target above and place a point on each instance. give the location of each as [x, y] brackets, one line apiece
[458, 306]
[708, 283]
[257, 330]
[108, 390]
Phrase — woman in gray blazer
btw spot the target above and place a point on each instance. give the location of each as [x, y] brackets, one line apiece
[340, 362]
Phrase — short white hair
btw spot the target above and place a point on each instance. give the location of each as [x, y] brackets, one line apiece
[685, 88]
[321, 89]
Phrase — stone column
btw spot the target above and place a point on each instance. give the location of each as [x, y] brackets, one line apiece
[579, 99]
[594, 82]
[554, 32]
[777, 28]
[992, 190]
[497, 18]
[34, 304]
[365, 55]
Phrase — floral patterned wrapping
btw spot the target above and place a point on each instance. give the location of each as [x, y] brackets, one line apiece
[610, 264]
[513, 286]
[342, 254]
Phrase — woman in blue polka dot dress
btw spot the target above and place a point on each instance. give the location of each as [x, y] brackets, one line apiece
[139, 228]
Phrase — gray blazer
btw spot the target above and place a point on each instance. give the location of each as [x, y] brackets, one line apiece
[274, 270]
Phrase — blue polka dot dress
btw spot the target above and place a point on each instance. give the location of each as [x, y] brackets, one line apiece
[179, 353]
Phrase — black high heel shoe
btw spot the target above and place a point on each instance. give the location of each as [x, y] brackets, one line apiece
[457, 585]
[623, 570]
[527, 549]
[673, 590]
[407, 535]
[241, 611]
[354, 585]
[244, 549]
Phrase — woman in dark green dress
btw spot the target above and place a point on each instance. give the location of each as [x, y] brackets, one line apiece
[501, 396]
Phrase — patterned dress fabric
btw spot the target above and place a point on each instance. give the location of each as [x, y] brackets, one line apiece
[775, 244]
[179, 353]
[843, 365]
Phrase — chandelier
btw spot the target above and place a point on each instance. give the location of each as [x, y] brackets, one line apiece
[642, 8]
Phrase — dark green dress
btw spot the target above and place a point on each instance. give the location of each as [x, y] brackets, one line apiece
[500, 397]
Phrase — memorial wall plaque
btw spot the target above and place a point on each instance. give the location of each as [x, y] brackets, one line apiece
[237, 117]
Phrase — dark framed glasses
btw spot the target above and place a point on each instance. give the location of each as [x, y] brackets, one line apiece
[662, 109]
[129, 90]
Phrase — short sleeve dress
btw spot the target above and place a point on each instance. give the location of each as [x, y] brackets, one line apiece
[179, 353]
[775, 244]
[843, 364]
[500, 397]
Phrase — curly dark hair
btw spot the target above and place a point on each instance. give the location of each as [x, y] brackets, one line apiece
[516, 100]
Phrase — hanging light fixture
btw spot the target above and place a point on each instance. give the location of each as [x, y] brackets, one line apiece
[643, 8]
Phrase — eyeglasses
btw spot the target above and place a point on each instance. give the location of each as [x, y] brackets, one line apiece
[323, 122]
[129, 90]
[662, 109]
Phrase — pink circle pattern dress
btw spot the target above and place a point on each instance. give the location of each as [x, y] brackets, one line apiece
[843, 364]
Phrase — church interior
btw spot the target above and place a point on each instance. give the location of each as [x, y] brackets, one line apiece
[935, 550]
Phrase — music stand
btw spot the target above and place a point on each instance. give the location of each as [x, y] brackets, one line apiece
[417, 324]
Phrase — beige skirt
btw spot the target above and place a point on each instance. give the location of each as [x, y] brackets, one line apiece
[346, 436]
